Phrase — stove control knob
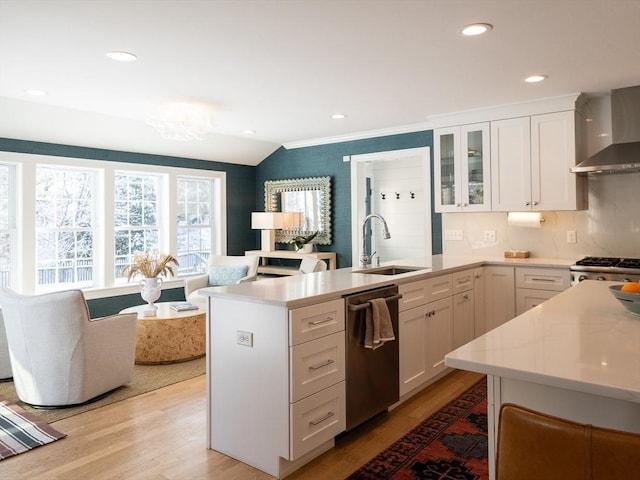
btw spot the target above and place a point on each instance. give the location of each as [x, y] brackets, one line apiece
[582, 277]
[627, 280]
[600, 277]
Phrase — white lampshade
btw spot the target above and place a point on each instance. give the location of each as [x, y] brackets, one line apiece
[267, 220]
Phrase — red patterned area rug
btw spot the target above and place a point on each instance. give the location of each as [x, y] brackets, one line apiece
[449, 445]
[21, 431]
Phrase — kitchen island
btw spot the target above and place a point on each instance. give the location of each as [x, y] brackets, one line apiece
[576, 356]
[276, 378]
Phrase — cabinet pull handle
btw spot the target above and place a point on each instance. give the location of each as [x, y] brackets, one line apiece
[535, 202]
[320, 365]
[465, 296]
[318, 322]
[477, 275]
[527, 203]
[322, 419]
[548, 280]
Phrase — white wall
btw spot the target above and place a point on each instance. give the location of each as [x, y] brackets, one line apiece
[610, 227]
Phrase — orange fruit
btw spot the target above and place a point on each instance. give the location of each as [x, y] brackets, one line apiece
[631, 287]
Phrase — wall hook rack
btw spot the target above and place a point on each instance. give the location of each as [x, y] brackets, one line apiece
[383, 196]
[413, 195]
[397, 196]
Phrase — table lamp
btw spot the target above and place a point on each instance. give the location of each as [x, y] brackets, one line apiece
[268, 222]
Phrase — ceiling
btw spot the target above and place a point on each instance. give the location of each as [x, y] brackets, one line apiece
[283, 67]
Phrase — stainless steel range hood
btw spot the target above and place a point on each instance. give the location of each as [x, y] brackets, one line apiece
[623, 155]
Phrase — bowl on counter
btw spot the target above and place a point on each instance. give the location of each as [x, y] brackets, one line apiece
[631, 301]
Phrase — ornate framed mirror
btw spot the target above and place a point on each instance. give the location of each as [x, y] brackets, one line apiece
[311, 196]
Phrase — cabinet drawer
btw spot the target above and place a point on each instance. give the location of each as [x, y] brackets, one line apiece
[316, 419]
[462, 281]
[543, 278]
[315, 321]
[316, 365]
[424, 291]
[528, 298]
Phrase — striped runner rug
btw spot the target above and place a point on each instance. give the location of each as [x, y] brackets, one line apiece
[21, 431]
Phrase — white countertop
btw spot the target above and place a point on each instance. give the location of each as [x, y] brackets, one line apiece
[582, 339]
[299, 290]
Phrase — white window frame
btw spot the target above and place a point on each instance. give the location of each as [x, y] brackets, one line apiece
[24, 272]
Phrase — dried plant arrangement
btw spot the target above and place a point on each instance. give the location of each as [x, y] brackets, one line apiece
[151, 265]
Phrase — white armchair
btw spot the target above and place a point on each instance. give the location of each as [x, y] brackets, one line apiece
[222, 270]
[311, 264]
[59, 356]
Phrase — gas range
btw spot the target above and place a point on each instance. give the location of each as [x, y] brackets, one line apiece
[606, 268]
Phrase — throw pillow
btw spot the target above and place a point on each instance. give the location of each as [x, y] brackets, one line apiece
[225, 275]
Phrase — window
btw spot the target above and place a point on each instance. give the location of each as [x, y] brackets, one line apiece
[7, 221]
[74, 223]
[194, 197]
[135, 217]
[64, 226]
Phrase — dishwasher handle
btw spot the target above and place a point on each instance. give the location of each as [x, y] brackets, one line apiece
[362, 306]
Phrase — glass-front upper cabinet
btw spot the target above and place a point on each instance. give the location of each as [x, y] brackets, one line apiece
[461, 170]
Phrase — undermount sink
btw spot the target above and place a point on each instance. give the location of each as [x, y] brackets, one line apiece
[391, 270]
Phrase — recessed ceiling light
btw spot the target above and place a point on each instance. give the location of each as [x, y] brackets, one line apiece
[536, 78]
[122, 56]
[338, 116]
[476, 29]
[35, 92]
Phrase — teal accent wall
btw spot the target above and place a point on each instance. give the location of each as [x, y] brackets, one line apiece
[327, 159]
[240, 202]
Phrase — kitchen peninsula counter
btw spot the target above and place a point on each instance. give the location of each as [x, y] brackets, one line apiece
[576, 356]
[276, 360]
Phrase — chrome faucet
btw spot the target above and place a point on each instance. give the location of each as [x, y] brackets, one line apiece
[365, 259]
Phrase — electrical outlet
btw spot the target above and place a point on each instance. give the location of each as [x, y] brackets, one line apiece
[571, 236]
[453, 235]
[490, 236]
[244, 338]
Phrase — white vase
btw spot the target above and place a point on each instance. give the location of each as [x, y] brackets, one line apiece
[306, 248]
[150, 293]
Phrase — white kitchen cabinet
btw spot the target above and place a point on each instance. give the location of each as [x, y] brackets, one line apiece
[439, 324]
[280, 397]
[499, 295]
[413, 348]
[480, 327]
[436, 316]
[462, 178]
[418, 305]
[531, 159]
[535, 285]
[463, 328]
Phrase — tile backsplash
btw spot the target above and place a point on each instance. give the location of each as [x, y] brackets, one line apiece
[609, 227]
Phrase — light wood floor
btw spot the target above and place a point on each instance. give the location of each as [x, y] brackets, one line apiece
[162, 435]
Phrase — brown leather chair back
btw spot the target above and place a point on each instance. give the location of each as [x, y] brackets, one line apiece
[535, 446]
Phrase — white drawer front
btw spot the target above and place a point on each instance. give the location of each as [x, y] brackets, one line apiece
[316, 419]
[462, 281]
[315, 321]
[543, 278]
[317, 365]
[424, 291]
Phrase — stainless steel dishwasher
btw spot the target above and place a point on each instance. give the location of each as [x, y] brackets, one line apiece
[372, 376]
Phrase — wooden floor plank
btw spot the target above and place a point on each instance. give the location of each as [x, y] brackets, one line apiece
[161, 435]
